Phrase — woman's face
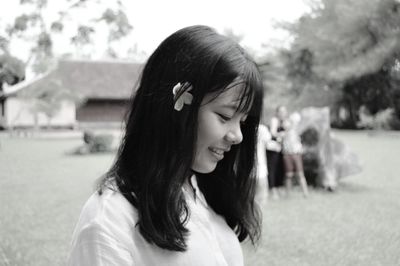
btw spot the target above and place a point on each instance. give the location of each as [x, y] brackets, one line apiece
[218, 129]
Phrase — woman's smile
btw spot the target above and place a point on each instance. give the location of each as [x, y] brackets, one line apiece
[218, 153]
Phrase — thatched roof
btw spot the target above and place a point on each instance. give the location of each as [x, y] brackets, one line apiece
[90, 79]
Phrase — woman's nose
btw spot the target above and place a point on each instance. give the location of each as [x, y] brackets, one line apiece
[234, 135]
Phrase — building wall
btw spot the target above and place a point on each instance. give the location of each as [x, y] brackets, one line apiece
[102, 111]
[21, 113]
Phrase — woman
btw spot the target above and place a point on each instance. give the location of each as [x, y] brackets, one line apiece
[181, 191]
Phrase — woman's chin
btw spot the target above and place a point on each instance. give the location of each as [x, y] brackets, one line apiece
[205, 168]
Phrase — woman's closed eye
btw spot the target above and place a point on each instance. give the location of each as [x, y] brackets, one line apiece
[224, 118]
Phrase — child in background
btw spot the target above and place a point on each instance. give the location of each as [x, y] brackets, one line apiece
[292, 153]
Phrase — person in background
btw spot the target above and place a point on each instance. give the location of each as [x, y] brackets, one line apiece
[182, 188]
[274, 152]
[292, 153]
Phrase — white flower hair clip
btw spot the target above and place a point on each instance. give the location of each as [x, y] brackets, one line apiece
[182, 95]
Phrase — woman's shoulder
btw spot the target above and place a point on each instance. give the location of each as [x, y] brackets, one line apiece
[108, 208]
[106, 227]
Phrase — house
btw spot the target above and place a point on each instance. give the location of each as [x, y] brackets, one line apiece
[79, 93]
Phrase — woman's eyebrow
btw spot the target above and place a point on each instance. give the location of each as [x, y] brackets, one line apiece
[234, 108]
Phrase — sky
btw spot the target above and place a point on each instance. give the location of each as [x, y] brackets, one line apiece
[154, 20]
[252, 18]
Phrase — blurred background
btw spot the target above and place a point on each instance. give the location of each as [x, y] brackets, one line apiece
[67, 71]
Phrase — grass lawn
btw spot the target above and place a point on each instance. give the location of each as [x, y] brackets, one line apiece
[42, 191]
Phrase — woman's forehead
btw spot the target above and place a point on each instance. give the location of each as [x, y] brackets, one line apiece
[232, 96]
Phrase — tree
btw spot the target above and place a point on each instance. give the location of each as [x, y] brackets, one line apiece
[350, 45]
[12, 70]
[348, 39]
[43, 28]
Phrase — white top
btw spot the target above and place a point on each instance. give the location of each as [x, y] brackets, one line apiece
[291, 143]
[106, 235]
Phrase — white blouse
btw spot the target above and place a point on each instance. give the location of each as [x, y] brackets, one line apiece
[106, 235]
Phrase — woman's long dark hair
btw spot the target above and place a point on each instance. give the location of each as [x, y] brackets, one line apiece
[157, 151]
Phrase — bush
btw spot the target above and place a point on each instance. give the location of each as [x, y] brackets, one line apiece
[311, 164]
[101, 143]
[88, 137]
[94, 143]
[311, 161]
[310, 137]
[384, 119]
[395, 123]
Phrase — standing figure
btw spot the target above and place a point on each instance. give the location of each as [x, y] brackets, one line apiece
[292, 150]
[181, 190]
[274, 152]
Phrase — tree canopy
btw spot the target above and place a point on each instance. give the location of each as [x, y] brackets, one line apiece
[351, 46]
[76, 22]
[348, 39]
[12, 70]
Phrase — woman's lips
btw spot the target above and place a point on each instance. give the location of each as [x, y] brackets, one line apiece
[217, 153]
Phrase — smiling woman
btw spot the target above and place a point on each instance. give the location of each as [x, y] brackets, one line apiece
[181, 191]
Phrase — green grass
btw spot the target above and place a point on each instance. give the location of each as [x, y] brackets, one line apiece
[42, 191]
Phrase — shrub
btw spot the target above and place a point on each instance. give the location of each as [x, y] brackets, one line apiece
[384, 119]
[310, 137]
[94, 143]
[395, 123]
[311, 163]
[88, 137]
[101, 143]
